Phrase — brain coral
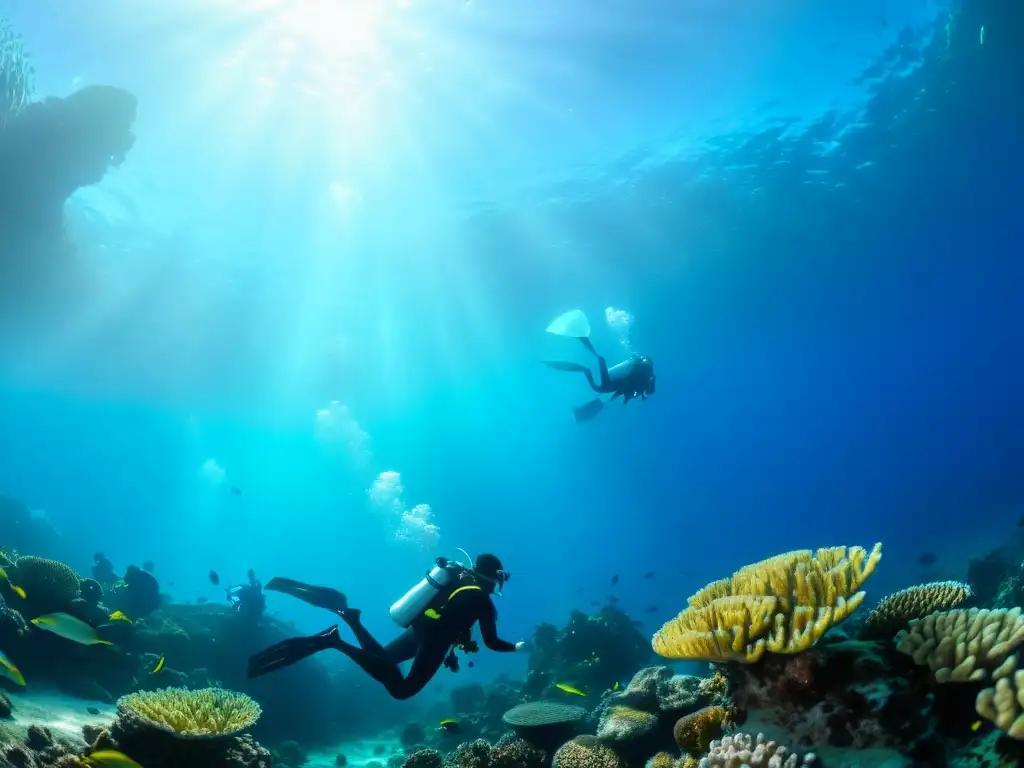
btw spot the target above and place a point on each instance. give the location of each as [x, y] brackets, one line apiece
[695, 732]
[49, 585]
[209, 713]
[536, 714]
[586, 752]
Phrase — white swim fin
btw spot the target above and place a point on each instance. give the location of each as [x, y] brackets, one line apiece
[573, 324]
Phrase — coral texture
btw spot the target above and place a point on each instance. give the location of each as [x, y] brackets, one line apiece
[743, 750]
[783, 604]
[586, 752]
[204, 714]
[695, 732]
[965, 645]
[621, 723]
[49, 585]
[896, 610]
[1004, 705]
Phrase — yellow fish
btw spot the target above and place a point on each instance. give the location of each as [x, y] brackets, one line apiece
[110, 758]
[8, 670]
[17, 590]
[450, 725]
[569, 689]
[975, 726]
[119, 616]
[159, 665]
[616, 686]
[70, 628]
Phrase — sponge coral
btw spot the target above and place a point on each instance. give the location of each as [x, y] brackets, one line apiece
[783, 604]
[210, 713]
[695, 732]
[895, 610]
[962, 645]
[586, 752]
[1004, 705]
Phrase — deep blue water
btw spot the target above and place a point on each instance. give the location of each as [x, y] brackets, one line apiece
[813, 216]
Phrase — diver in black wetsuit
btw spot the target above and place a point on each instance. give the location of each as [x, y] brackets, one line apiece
[629, 379]
[429, 641]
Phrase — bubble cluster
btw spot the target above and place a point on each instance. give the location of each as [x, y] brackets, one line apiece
[412, 525]
[213, 473]
[621, 323]
[337, 428]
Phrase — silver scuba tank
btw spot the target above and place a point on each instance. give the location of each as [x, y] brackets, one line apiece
[418, 599]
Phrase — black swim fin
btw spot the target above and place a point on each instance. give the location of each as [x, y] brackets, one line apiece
[292, 650]
[320, 597]
[588, 411]
[571, 367]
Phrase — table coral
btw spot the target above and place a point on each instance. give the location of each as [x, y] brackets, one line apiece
[204, 714]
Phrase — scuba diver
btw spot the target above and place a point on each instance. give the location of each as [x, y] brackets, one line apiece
[629, 379]
[437, 615]
[248, 598]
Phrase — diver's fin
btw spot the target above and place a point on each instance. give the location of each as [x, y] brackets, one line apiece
[292, 650]
[560, 366]
[320, 597]
[573, 324]
[586, 343]
[588, 411]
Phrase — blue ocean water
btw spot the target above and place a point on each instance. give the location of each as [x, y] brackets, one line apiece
[810, 215]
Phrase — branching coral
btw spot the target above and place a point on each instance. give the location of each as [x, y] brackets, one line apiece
[783, 604]
[695, 732]
[962, 645]
[895, 610]
[209, 713]
[1004, 705]
[743, 750]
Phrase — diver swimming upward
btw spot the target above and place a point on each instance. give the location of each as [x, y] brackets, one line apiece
[629, 379]
[437, 614]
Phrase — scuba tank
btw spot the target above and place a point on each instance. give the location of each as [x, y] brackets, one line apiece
[418, 599]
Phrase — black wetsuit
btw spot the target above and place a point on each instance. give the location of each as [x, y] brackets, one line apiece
[427, 642]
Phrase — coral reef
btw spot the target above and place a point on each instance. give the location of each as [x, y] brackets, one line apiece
[695, 732]
[1004, 705]
[895, 611]
[783, 604]
[591, 653]
[960, 645]
[513, 751]
[204, 714]
[49, 585]
[621, 723]
[587, 752]
[743, 750]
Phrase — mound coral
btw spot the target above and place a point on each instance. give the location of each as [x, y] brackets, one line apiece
[783, 604]
[210, 713]
[586, 752]
[743, 750]
[896, 610]
[1004, 705]
[514, 752]
[962, 645]
[695, 732]
[424, 758]
[49, 585]
[621, 723]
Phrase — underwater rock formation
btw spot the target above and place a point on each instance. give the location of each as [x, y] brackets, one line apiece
[591, 653]
[25, 532]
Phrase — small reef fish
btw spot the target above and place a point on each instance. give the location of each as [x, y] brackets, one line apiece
[976, 725]
[928, 558]
[15, 589]
[8, 670]
[616, 686]
[569, 689]
[615, 579]
[236, 491]
[652, 608]
[119, 616]
[649, 575]
[110, 758]
[214, 578]
[452, 726]
[159, 665]
[70, 628]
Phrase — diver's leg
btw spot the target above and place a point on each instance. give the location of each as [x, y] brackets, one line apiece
[606, 381]
[428, 660]
[290, 651]
[353, 618]
[380, 668]
[403, 648]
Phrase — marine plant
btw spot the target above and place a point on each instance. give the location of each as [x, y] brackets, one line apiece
[784, 604]
[209, 713]
[965, 645]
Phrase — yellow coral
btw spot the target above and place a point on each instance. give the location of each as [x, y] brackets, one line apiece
[203, 714]
[695, 732]
[1003, 705]
[689, 761]
[783, 605]
[895, 610]
[586, 752]
[661, 760]
[962, 645]
[716, 685]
